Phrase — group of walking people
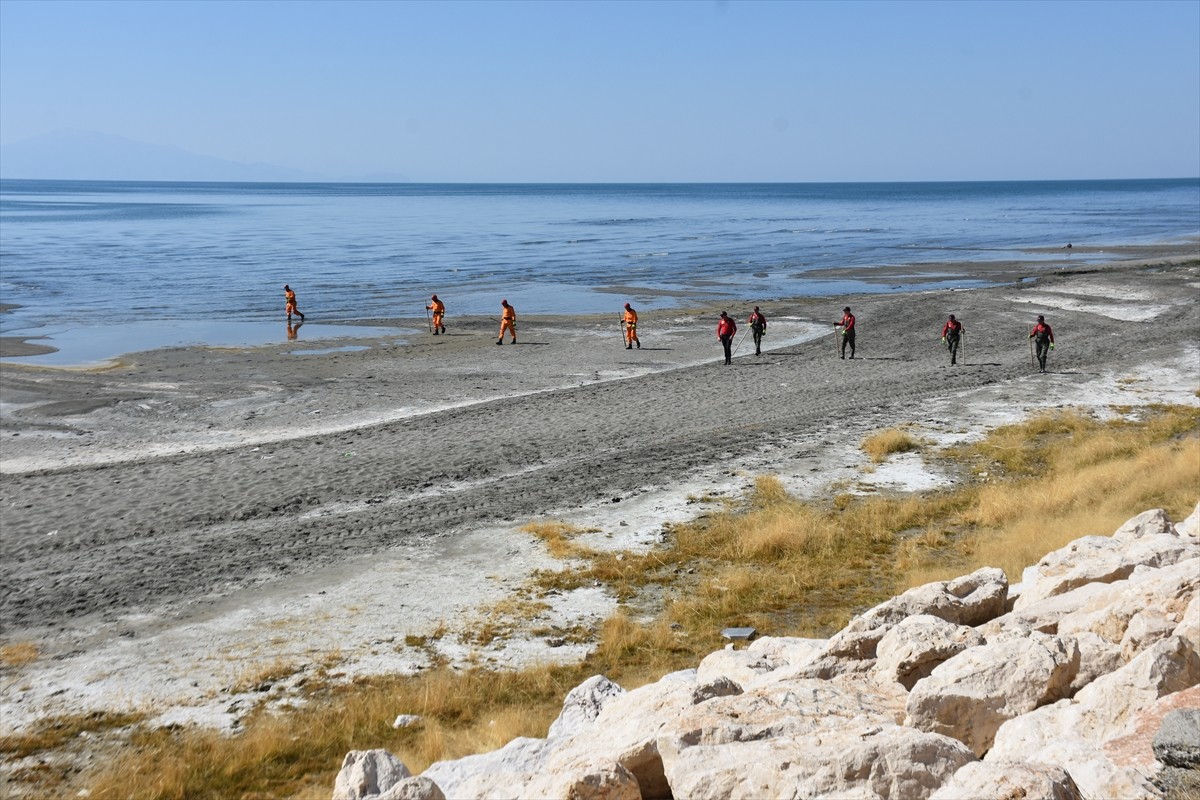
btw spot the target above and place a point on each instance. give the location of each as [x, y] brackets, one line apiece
[1041, 338]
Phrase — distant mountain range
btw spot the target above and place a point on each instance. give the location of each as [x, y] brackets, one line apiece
[87, 155]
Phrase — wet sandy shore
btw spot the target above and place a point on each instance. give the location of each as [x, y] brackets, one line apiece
[181, 487]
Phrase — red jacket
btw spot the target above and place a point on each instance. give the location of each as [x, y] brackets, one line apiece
[847, 322]
[758, 319]
[952, 326]
[1042, 329]
[726, 327]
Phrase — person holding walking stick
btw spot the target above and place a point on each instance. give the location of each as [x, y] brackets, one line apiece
[439, 314]
[952, 333]
[846, 323]
[1042, 338]
[629, 319]
[726, 329]
[758, 324]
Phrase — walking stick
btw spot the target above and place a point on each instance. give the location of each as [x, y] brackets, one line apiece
[837, 344]
[1032, 360]
[428, 320]
[962, 344]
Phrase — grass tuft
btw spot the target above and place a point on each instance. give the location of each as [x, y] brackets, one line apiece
[18, 654]
[887, 442]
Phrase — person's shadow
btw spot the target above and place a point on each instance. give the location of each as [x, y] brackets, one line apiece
[293, 331]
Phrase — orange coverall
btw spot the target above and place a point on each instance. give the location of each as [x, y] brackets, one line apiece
[631, 336]
[289, 296]
[439, 311]
[508, 322]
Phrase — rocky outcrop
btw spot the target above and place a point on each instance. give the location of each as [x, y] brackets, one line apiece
[1080, 683]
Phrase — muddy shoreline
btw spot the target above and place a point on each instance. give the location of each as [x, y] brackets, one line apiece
[185, 484]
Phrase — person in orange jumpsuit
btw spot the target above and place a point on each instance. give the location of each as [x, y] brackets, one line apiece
[439, 313]
[508, 322]
[630, 320]
[290, 303]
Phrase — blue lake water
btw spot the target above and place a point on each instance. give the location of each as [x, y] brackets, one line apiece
[116, 254]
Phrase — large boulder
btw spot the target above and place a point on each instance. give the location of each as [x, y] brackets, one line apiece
[1099, 559]
[1190, 527]
[583, 704]
[498, 774]
[1042, 616]
[766, 660]
[1148, 523]
[368, 773]
[585, 778]
[890, 762]
[415, 788]
[970, 600]
[1008, 780]
[971, 695]
[1073, 733]
[1177, 742]
[626, 730]
[1153, 594]
[805, 738]
[911, 649]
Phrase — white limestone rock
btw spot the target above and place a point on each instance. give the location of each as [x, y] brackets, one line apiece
[971, 695]
[583, 704]
[1042, 616]
[1097, 657]
[587, 778]
[1008, 780]
[1189, 625]
[368, 773]
[1100, 559]
[854, 760]
[499, 774]
[970, 600]
[1148, 523]
[1108, 612]
[1190, 527]
[910, 650]
[415, 788]
[626, 730]
[1073, 733]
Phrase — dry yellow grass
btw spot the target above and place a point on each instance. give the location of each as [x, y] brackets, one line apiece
[1061, 476]
[773, 562]
[884, 443]
[557, 537]
[18, 654]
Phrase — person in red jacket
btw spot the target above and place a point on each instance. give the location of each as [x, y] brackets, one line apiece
[952, 333]
[1043, 339]
[726, 328]
[758, 326]
[846, 323]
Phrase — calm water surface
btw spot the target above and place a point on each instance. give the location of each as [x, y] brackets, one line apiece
[114, 255]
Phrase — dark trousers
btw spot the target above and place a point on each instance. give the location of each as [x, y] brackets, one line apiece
[727, 343]
[952, 346]
[1042, 348]
[758, 334]
[848, 339]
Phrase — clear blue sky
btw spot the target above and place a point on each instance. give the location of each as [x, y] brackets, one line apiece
[623, 91]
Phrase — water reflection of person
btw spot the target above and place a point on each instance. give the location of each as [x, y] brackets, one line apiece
[293, 330]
